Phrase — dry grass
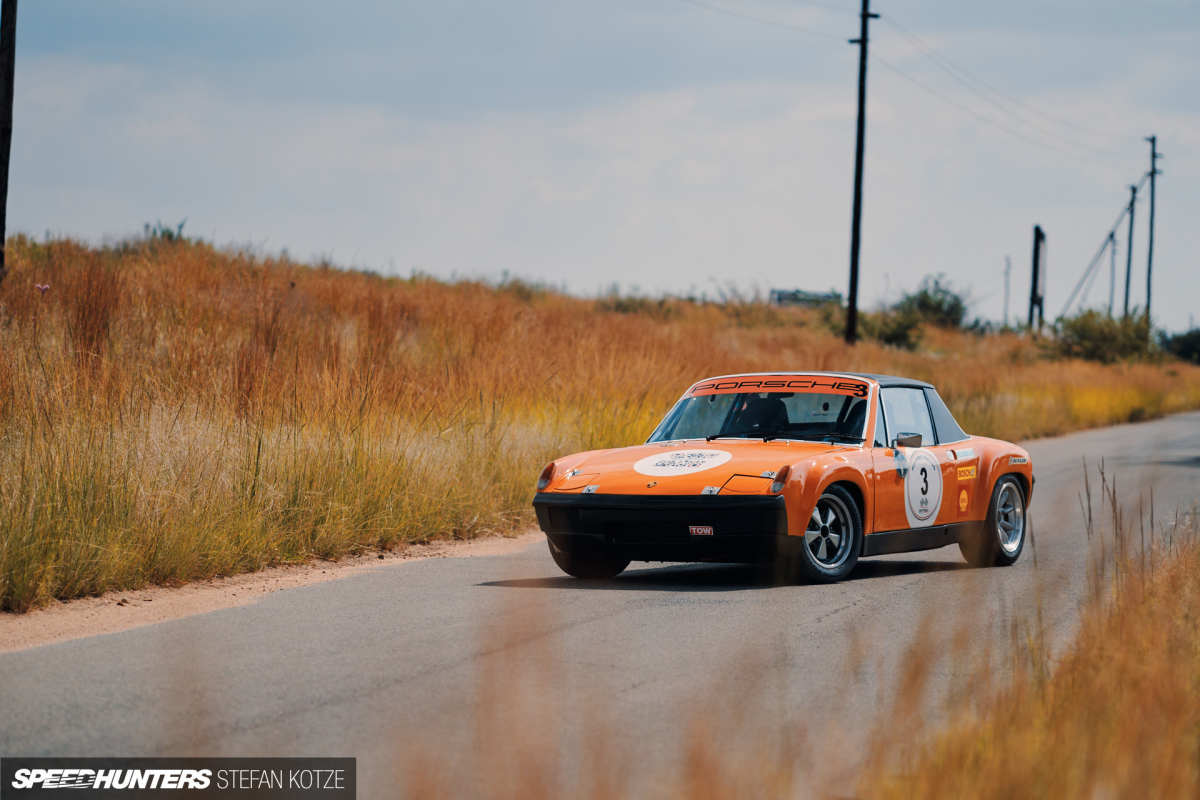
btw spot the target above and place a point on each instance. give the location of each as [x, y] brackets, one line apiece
[1118, 715]
[171, 411]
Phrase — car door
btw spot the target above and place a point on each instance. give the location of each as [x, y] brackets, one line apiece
[915, 487]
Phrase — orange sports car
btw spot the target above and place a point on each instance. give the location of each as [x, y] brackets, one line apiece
[810, 470]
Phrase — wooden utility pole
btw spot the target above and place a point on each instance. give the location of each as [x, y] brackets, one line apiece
[1129, 253]
[1154, 157]
[8, 51]
[865, 18]
[1037, 283]
[1007, 272]
[1112, 270]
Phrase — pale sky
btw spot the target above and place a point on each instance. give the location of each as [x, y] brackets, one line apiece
[662, 145]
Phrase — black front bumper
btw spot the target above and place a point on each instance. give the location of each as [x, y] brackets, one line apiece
[658, 528]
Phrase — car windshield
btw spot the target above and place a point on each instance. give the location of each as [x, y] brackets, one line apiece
[766, 415]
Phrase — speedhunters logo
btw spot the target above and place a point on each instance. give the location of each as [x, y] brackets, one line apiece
[65, 777]
[157, 777]
[76, 778]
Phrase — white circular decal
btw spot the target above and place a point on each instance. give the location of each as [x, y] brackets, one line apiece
[922, 488]
[681, 462]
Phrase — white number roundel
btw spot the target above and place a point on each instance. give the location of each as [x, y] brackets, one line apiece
[922, 488]
[681, 462]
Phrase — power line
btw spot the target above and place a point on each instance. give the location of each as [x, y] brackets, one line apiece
[984, 118]
[1002, 100]
[761, 20]
[1100, 252]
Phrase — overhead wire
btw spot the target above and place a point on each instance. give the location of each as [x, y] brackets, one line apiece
[1096, 258]
[1067, 149]
[720, 9]
[1000, 99]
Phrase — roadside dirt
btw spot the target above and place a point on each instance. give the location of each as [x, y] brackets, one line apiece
[122, 610]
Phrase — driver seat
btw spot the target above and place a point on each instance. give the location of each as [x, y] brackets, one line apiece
[761, 414]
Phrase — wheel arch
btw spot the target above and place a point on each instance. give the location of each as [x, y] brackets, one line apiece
[1022, 481]
[856, 492]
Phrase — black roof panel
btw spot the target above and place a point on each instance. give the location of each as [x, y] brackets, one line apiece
[892, 380]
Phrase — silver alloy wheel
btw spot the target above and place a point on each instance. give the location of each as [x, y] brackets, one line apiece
[1010, 517]
[829, 535]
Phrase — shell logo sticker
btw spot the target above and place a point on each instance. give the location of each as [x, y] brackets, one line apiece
[963, 500]
[681, 462]
[922, 488]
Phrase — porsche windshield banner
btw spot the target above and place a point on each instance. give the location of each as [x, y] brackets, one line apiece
[314, 778]
[809, 384]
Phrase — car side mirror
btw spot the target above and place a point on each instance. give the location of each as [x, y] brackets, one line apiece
[907, 440]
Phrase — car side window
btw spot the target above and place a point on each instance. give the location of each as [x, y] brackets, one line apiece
[948, 430]
[881, 439]
[907, 412]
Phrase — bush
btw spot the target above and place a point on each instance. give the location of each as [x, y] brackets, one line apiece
[934, 302]
[1182, 345]
[888, 326]
[894, 327]
[1095, 336]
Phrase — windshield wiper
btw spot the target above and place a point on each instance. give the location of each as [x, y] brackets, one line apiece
[842, 437]
[765, 436]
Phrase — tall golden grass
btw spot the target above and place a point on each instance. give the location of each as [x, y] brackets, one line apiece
[1118, 715]
[172, 411]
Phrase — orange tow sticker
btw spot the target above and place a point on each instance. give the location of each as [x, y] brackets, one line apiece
[963, 500]
[700, 530]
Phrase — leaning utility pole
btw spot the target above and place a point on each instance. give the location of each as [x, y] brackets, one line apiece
[8, 50]
[1154, 157]
[856, 222]
[1129, 253]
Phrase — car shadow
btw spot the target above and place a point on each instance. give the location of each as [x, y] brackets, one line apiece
[718, 577]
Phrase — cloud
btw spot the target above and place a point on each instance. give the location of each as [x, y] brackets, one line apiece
[677, 188]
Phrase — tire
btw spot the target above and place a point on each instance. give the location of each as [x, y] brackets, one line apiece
[832, 540]
[999, 542]
[587, 560]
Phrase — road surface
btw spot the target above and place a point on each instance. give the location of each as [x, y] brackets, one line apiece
[465, 667]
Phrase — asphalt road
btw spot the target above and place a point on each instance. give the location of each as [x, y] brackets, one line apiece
[465, 666]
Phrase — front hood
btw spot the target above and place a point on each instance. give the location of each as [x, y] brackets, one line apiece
[730, 466]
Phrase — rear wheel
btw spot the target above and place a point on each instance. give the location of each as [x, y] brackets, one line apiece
[832, 538]
[1002, 537]
[585, 559]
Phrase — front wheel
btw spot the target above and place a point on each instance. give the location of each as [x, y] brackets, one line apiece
[832, 538]
[1000, 541]
[583, 559]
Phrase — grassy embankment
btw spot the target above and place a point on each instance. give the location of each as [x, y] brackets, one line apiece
[170, 411]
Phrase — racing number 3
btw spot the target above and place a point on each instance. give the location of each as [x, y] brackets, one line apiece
[924, 480]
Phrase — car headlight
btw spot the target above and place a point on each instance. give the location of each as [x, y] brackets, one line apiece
[781, 477]
[546, 476]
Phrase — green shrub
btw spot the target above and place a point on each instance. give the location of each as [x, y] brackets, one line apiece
[894, 327]
[1095, 336]
[934, 302]
[1184, 345]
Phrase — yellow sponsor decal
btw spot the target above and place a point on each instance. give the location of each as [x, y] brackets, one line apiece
[966, 473]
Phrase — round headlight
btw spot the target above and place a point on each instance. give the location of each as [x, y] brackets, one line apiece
[780, 479]
[546, 476]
